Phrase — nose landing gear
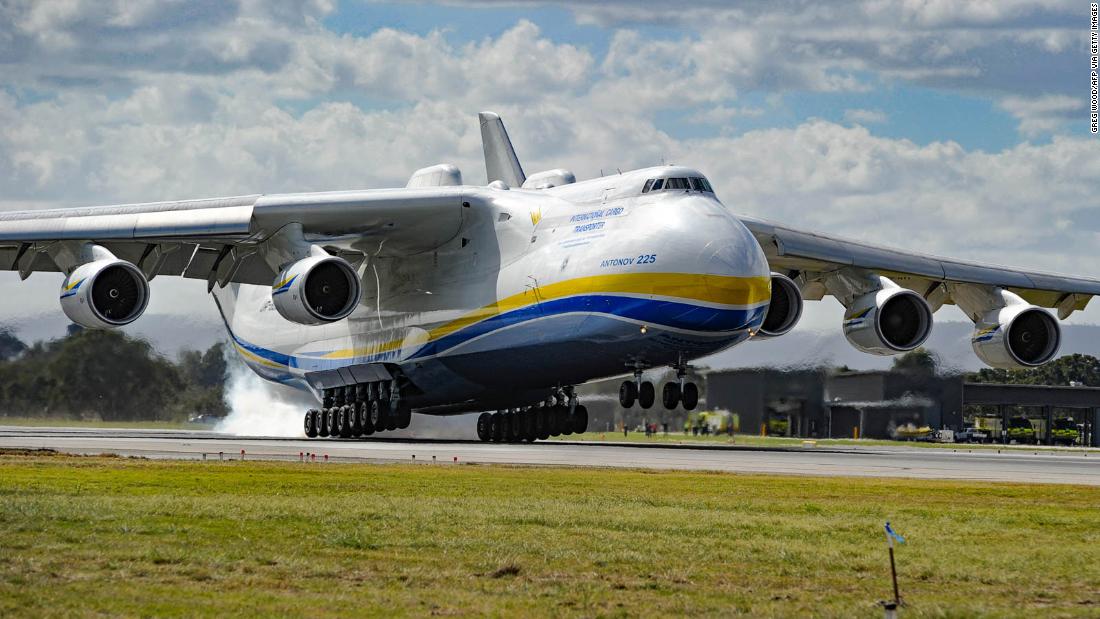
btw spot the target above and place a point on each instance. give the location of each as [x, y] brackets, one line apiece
[673, 394]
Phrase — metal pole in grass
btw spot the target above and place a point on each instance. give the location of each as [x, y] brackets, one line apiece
[892, 536]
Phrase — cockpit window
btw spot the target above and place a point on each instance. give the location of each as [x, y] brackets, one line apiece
[695, 183]
[701, 184]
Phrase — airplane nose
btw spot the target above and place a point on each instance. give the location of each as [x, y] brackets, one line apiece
[735, 254]
[736, 270]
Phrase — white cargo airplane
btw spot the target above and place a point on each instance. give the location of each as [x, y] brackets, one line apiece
[442, 298]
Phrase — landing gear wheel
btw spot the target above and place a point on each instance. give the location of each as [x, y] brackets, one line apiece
[377, 419]
[495, 427]
[690, 397]
[670, 395]
[578, 421]
[529, 433]
[365, 423]
[564, 421]
[403, 415]
[515, 429]
[542, 423]
[344, 421]
[646, 395]
[628, 392]
[357, 419]
[322, 422]
[311, 423]
[483, 427]
[391, 415]
[333, 426]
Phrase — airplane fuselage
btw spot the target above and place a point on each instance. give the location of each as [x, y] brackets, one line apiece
[539, 289]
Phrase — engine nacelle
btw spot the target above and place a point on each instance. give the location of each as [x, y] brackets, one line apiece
[784, 310]
[549, 178]
[104, 294]
[316, 290]
[1017, 336]
[888, 321]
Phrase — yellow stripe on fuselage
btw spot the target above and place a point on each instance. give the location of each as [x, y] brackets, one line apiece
[718, 289]
[248, 354]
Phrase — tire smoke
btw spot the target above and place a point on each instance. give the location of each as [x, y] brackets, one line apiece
[261, 408]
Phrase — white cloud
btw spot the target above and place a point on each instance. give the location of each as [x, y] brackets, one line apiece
[865, 117]
[1045, 113]
[262, 98]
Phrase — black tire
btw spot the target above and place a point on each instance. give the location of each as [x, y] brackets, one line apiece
[690, 397]
[391, 415]
[377, 416]
[311, 423]
[542, 423]
[483, 427]
[647, 395]
[507, 422]
[670, 395]
[496, 427]
[628, 393]
[345, 417]
[553, 421]
[382, 392]
[529, 433]
[357, 419]
[333, 426]
[578, 421]
[404, 415]
[365, 423]
[564, 423]
[322, 422]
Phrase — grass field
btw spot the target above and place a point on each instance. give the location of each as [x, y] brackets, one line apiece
[52, 422]
[87, 536]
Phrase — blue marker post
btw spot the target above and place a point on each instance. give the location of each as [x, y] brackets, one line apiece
[891, 536]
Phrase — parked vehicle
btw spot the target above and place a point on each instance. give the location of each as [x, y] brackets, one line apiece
[1065, 432]
[1020, 430]
[972, 435]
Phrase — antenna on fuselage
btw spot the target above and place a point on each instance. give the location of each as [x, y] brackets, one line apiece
[501, 163]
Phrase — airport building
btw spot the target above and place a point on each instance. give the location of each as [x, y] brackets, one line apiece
[817, 403]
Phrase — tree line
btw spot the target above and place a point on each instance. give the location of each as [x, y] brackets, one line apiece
[108, 376]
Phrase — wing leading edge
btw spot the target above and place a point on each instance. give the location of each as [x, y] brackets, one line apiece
[812, 257]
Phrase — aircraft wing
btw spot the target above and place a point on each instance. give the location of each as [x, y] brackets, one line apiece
[811, 256]
[218, 239]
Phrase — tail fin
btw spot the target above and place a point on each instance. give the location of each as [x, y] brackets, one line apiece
[501, 163]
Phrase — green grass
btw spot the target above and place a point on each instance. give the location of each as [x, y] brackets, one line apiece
[782, 441]
[89, 536]
[55, 422]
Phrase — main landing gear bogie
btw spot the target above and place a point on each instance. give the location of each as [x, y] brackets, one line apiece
[358, 410]
[532, 424]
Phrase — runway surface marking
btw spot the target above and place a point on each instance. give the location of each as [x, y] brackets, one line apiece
[924, 463]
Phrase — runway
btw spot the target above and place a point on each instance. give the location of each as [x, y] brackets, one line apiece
[923, 463]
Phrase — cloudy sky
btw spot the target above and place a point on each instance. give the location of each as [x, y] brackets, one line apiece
[958, 128]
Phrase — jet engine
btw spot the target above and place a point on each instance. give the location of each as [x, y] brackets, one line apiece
[888, 321]
[316, 290]
[1016, 336]
[785, 308]
[104, 294]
